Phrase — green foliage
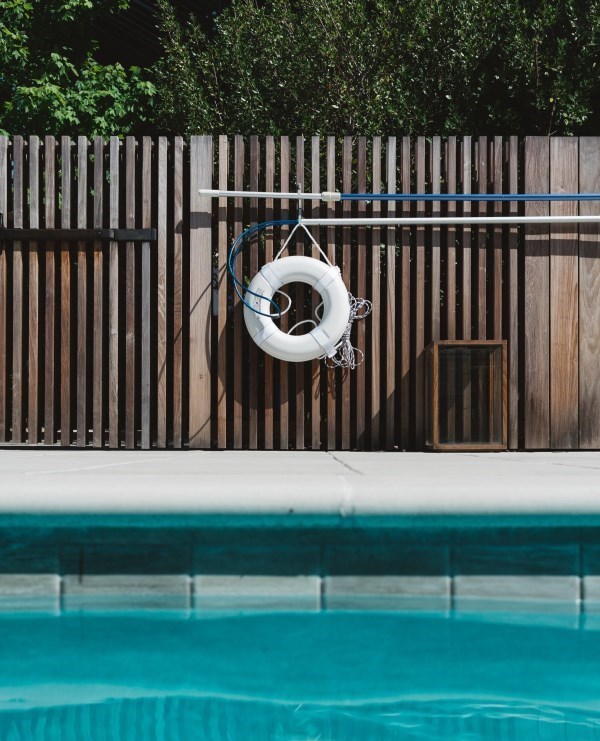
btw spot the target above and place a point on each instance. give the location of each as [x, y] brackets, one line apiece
[50, 82]
[379, 66]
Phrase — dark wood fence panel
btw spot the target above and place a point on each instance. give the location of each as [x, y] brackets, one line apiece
[143, 344]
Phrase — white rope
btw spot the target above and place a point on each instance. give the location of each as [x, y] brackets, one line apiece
[345, 356]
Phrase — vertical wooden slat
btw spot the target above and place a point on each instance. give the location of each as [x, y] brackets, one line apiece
[589, 297]
[450, 297]
[284, 439]
[375, 319]
[252, 367]
[82, 247]
[222, 298]
[17, 285]
[113, 301]
[466, 242]
[390, 300]
[3, 291]
[65, 296]
[98, 334]
[161, 295]
[419, 304]
[466, 296]
[238, 319]
[498, 231]
[436, 258]
[346, 265]
[330, 373]
[178, 292]
[33, 426]
[201, 171]
[361, 292]
[564, 315]
[130, 375]
[405, 305]
[537, 298]
[450, 294]
[269, 377]
[146, 293]
[315, 405]
[513, 305]
[300, 313]
[481, 280]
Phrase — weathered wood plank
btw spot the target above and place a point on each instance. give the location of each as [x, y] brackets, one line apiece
[299, 442]
[315, 390]
[161, 292]
[450, 293]
[481, 280]
[238, 319]
[82, 334]
[222, 297]
[391, 394]
[564, 299]
[498, 234]
[146, 318]
[537, 298]
[589, 297]
[269, 368]
[466, 289]
[330, 373]
[98, 307]
[252, 366]
[436, 258]
[450, 296]
[284, 389]
[419, 303]
[114, 433]
[33, 422]
[375, 291]
[65, 295]
[346, 268]
[201, 172]
[17, 286]
[4, 167]
[360, 378]
[178, 338]
[130, 260]
[466, 242]
[405, 303]
[513, 300]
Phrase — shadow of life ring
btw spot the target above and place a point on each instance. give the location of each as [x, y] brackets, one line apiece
[326, 280]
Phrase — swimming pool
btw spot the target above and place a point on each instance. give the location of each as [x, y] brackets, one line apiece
[329, 675]
[160, 628]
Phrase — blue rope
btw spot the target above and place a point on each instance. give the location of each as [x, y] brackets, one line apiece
[470, 196]
[236, 248]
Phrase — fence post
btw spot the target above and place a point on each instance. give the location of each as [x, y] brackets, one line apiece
[201, 168]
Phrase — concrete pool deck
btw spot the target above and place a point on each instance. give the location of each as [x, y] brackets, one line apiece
[296, 483]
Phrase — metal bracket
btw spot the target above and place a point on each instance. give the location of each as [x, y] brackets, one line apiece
[78, 235]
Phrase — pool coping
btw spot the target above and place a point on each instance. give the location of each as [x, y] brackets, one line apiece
[294, 484]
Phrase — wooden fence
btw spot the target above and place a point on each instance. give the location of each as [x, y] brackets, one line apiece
[121, 344]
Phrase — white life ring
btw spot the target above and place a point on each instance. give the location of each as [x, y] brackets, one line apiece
[322, 340]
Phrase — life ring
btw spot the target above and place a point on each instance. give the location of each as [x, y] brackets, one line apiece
[326, 280]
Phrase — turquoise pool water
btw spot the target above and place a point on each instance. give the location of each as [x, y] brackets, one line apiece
[355, 675]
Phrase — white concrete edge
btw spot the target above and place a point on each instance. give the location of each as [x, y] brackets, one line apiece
[292, 484]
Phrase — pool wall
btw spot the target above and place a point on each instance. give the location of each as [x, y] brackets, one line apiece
[445, 564]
